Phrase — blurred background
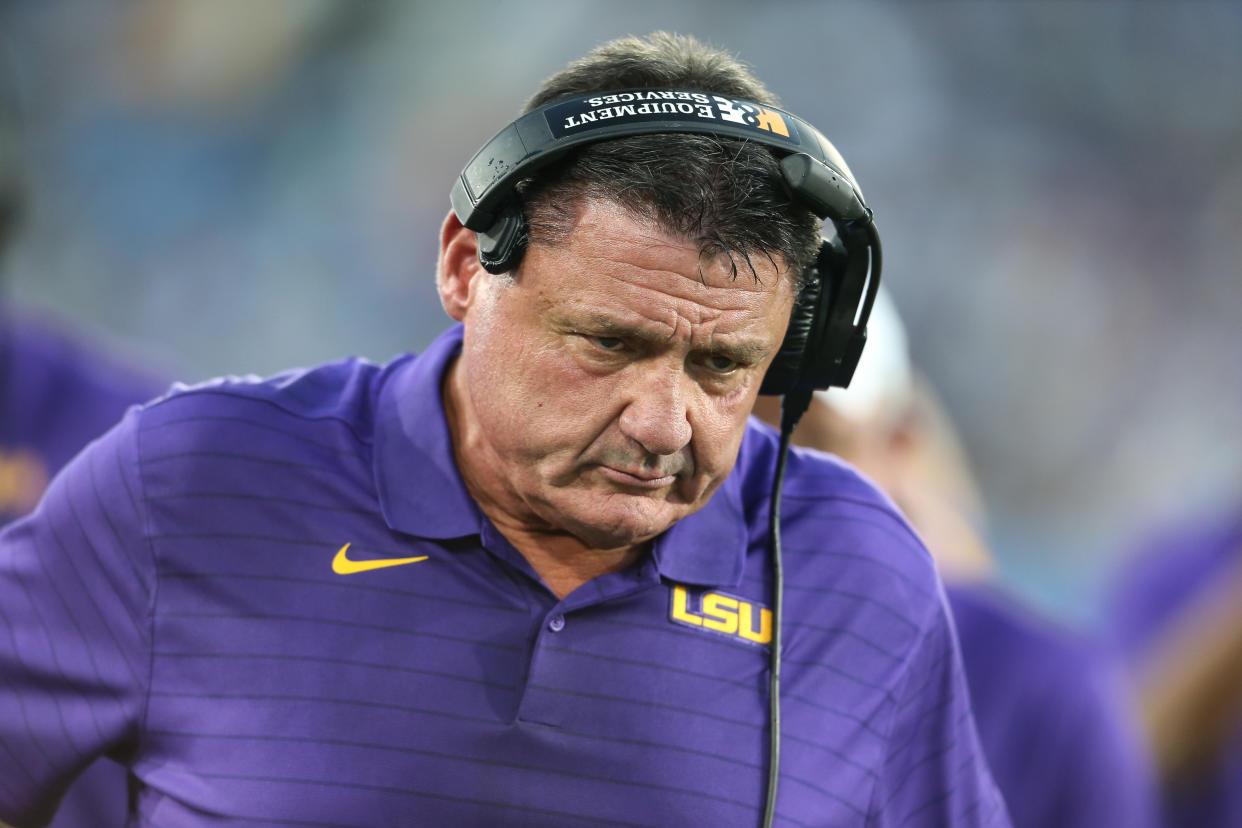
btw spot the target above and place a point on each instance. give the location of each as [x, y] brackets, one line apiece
[239, 187]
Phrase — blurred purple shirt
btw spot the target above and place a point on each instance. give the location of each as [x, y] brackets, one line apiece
[58, 391]
[1166, 575]
[1055, 717]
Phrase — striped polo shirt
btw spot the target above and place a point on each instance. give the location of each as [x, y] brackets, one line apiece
[276, 603]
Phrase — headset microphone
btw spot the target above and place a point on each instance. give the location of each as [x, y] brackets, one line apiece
[828, 326]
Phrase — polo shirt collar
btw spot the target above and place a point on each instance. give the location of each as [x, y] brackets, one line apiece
[709, 547]
[421, 492]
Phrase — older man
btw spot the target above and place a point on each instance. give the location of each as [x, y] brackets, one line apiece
[524, 578]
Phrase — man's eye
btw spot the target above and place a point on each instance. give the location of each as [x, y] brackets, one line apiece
[720, 364]
[608, 343]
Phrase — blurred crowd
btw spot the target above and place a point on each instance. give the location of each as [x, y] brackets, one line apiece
[234, 187]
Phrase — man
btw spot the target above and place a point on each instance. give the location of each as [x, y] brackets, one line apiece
[521, 579]
[1054, 717]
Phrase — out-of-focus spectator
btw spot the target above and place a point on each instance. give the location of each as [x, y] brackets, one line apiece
[59, 389]
[1052, 710]
[1177, 614]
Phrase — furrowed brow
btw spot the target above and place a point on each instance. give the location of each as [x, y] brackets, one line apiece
[745, 352]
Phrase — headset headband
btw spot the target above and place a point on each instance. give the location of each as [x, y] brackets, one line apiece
[810, 163]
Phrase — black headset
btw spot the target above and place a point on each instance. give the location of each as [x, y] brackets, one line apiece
[828, 326]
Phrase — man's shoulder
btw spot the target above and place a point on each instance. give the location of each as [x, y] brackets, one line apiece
[304, 415]
[811, 472]
[839, 532]
[343, 390]
[810, 475]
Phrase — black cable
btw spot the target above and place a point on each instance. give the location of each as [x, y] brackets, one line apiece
[793, 405]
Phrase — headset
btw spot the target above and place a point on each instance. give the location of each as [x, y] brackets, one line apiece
[828, 325]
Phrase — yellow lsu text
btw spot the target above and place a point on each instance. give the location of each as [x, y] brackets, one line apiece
[722, 613]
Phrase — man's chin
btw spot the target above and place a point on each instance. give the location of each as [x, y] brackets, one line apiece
[616, 525]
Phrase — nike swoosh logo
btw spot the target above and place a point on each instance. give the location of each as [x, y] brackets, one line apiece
[342, 565]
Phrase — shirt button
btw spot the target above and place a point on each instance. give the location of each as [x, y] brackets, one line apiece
[556, 623]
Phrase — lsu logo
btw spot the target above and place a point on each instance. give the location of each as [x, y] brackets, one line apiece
[723, 614]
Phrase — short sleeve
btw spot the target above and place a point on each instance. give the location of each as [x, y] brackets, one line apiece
[76, 588]
[935, 773]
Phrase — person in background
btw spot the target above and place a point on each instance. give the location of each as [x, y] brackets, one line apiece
[523, 578]
[1176, 613]
[1053, 713]
[59, 389]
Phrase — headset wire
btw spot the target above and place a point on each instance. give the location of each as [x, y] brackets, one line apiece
[793, 405]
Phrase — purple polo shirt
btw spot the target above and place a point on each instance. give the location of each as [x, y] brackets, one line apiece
[173, 604]
[1056, 719]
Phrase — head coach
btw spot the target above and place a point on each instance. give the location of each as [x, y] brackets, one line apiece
[528, 577]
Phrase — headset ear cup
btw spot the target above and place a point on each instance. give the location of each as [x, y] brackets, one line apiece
[844, 330]
[786, 369]
[798, 364]
[501, 246]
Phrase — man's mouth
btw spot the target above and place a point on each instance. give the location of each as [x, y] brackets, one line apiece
[638, 478]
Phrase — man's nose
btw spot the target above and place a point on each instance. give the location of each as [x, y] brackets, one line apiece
[656, 416]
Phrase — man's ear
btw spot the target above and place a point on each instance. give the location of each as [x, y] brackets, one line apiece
[458, 267]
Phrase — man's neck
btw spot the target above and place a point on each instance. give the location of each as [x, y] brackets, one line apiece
[565, 563]
[561, 559]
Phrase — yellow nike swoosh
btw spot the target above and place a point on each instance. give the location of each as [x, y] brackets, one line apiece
[342, 565]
